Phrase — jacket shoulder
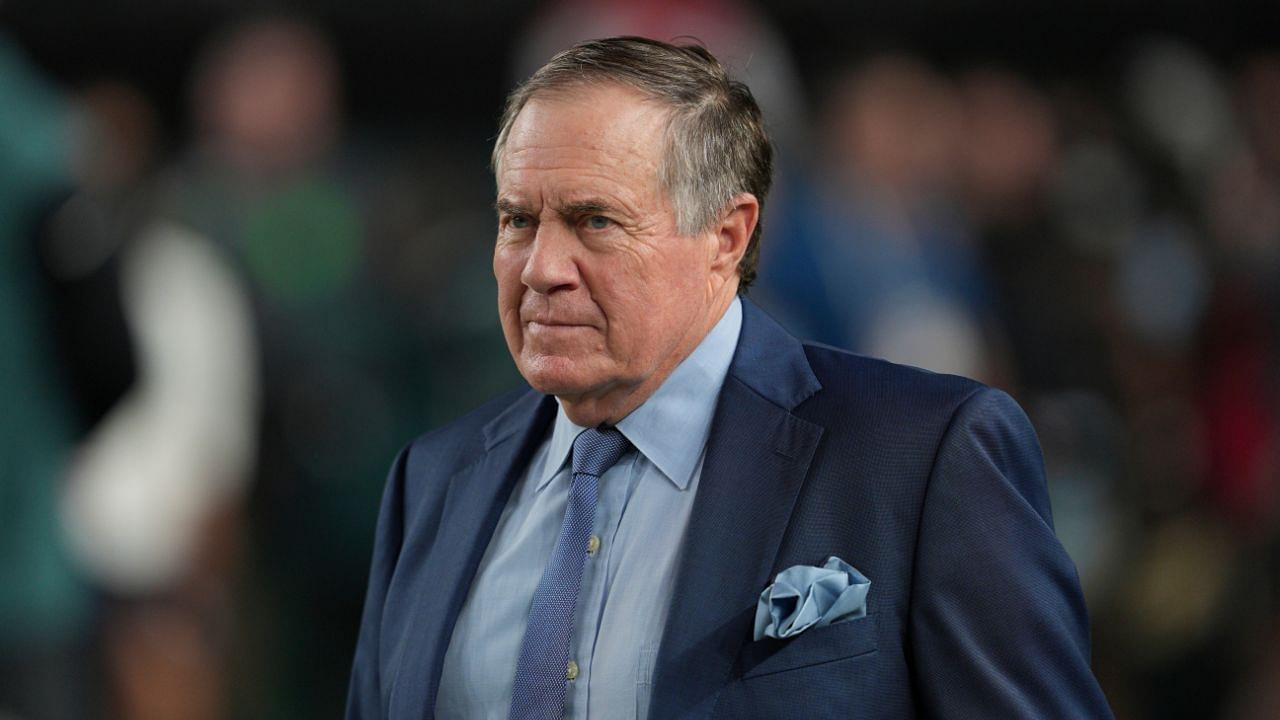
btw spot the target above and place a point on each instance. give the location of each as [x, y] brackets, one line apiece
[458, 442]
[884, 388]
[923, 420]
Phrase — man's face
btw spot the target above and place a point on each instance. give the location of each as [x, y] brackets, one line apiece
[597, 291]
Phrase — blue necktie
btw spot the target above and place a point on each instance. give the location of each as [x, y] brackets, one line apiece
[542, 670]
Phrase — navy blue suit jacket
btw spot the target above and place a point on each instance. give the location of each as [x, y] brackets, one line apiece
[932, 485]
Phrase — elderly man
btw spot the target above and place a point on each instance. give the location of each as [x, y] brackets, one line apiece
[691, 513]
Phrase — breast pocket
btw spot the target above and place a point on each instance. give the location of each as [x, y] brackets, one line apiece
[811, 647]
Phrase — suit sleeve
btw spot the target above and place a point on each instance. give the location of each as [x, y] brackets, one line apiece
[998, 622]
[364, 694]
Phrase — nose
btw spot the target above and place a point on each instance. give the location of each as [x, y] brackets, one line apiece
[551, 264]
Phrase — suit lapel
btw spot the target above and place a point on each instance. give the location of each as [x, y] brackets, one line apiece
[472, 507]
[758, 454]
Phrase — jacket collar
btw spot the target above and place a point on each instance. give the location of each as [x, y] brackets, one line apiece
[771, 362]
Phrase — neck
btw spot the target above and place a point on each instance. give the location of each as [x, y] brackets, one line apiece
[609, 407]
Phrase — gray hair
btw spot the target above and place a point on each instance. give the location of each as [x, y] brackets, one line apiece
[717, 146]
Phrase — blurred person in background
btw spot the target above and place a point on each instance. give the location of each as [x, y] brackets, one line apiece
[139, 408]
[156, 337]
[156, 485]
[270, 183]
[876, 255]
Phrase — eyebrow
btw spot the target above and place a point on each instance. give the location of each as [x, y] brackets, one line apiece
[577, 208]
[591, 206]
[510, 207]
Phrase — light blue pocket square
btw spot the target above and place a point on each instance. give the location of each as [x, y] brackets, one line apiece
[804, 596]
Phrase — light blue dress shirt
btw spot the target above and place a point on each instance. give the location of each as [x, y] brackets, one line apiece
[640, 521]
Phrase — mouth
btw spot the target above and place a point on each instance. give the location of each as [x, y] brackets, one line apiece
[551, 321]
[543, 325]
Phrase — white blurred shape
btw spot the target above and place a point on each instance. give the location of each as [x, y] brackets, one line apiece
[915, 326]
[182, 440]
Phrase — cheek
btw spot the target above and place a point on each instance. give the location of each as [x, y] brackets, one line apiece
[508, 263]
[682, 281]
[507, 267]
[660, 300]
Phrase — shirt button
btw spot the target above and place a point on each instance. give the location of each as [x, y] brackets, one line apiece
[572, 673]
[593, 544]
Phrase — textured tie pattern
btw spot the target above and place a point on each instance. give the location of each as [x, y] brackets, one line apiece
[541, 672]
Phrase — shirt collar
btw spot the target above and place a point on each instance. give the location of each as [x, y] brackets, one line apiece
[671, 427]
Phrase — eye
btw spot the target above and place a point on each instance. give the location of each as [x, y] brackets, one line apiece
[518, 222]
[598, 222]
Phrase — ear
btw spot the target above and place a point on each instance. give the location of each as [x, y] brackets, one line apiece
[734, 232]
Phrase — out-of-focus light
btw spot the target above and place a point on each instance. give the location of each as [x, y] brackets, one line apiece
[1097, 198]
[1162, 283]
[1178, 98]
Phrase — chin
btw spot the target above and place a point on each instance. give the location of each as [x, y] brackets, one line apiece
[559, 375]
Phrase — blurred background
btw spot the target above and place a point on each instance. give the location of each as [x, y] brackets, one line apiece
[244, 257]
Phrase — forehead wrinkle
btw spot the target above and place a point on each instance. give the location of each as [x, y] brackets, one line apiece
[555, 156]
[626, 158]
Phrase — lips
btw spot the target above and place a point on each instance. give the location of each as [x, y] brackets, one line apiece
[537, 327]
[537, 310]
[556, 321]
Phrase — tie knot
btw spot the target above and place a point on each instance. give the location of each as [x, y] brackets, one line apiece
[595, 451]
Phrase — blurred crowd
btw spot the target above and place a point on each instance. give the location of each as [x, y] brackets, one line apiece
[213, 348]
